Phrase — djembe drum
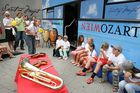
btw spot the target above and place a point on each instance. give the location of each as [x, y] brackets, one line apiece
[53, 36]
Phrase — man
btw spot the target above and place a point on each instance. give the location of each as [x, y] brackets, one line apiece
[114, 64]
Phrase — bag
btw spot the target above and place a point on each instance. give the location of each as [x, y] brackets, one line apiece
[13, 31]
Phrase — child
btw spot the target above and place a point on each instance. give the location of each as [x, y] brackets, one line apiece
[80, 46]
[64, 48]
[59, 43]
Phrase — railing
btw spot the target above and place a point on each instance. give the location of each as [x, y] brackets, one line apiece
[69, 25]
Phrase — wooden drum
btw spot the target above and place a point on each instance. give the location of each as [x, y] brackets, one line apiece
[46, 35]
[53, 36]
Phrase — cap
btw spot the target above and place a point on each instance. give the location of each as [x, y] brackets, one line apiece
[127, 65]
[65, 36]
[117, 47]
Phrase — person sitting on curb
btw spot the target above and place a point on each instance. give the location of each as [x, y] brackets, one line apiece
[64, 48]
[131, 82]
[101, 60]
[3, 50]
[114, 64]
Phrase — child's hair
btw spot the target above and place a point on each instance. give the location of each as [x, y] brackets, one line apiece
[105, 45]
[92, 45]
[79, 42]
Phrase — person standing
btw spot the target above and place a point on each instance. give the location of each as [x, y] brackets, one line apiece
[31, 32]
[20, 31]
[7, 20]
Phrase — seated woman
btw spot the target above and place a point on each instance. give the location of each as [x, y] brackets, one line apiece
[59, 43]
[63, 51]
[83, 52]
[3, 50]
[101, 60]
[80, 46]
[131, 82]
[92, 54]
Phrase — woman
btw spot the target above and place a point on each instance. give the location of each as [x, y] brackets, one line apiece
[131, 82]
[31, 32]
[8, 29]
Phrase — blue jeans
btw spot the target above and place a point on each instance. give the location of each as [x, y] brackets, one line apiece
[30, 41]
[20, 35]
[129, 87]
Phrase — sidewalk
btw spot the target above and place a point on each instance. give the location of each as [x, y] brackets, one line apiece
[66, 70]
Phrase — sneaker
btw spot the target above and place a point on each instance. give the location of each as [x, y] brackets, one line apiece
[59, 58]
[90, 80]
[22, 49]
[80, 73]
[12, 56]
[102, 80]
[65, 58]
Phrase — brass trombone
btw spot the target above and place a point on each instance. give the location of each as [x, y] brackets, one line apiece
[34, 74]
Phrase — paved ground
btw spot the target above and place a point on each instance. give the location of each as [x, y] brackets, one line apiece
[66, 70]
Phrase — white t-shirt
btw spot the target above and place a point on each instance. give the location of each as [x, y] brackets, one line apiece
[7, 22]
[108, 52]
[117, 61]
[32, 29]
[87, 47]
[59, 42]
[92, 53]
[66, 44]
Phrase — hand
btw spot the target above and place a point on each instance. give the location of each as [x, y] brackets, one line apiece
[109, 62]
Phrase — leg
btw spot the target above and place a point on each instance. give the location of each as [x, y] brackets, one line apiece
[131, 88]
[115, 74]
[104, 73]
[121, 86]
[61, 52]
[33, 45]
[17, 40]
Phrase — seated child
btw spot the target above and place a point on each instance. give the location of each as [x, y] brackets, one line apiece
[83, 52]
[64, 48]
[80, 46]
[101, 60]
[59, 43]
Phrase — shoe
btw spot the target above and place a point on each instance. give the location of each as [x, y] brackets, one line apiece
[65, 58]
[90, 80]
[102, 80]
[22, 49]
[80, 73]
[59, 58]
[12, 56]
[115, 89]
[1, 59]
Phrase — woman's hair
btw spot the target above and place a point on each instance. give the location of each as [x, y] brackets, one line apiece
[79, 41]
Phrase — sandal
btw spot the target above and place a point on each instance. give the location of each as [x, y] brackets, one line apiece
[80, 73]
[90, 80]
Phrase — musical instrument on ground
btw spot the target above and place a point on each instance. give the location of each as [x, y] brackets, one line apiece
[34, 74]
[38, 55]
[46, 35]
[53, 36]
[40, 63]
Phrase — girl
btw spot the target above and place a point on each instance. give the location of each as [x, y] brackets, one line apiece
[31, 32]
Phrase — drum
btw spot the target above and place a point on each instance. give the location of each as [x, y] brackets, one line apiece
[46, 35]
[53, 36]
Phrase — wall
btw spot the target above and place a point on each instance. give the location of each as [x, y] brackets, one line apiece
[29, 7]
